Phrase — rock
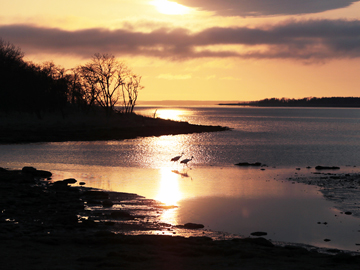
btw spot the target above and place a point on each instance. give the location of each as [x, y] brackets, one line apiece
[36, 173]
[348, 213]
[257, 164]
[327, 168]
[60, 184]
[327, 240]
[260, 241]
[258, 233]
[27, 169]
[191, 226]
[82, 183]
[70, 181]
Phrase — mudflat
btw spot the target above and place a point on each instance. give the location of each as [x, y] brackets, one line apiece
[45, 225]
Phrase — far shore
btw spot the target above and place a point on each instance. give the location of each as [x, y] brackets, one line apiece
[23, 128]
[45, 225]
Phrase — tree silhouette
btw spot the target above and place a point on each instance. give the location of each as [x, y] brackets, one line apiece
[130, 92]
[103, 78]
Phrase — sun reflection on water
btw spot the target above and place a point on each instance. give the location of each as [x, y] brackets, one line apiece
[169, 194]
[172, 114]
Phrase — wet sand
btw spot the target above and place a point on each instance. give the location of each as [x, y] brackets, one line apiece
[46, 225]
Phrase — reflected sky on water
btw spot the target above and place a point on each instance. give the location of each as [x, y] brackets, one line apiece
[213, 191]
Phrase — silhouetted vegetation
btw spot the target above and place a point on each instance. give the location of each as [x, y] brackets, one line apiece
[43, 88]
[304, 102]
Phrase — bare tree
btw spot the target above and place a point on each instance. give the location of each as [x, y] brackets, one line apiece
[106, 80]
[130, 91]
[103, 78]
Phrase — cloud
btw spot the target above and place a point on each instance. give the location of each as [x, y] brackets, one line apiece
[174, 77]
[311, 40]
[266, 7]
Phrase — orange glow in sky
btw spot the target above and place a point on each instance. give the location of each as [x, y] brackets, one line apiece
[170, 8]
[200, 50]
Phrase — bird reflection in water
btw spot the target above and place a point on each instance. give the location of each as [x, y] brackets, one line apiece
[182, 174]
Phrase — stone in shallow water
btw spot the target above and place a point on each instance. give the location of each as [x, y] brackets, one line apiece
[258, 233]
[70, 181]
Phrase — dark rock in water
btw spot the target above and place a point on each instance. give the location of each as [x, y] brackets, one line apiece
[327, 168]
[348, 213]
[327, 240]
[191, 226]
[60, 184]
[28, 169]
[107, 203]
[36, 173]
[82, 183]
[70, 181]
[248, 164]
[258, 233]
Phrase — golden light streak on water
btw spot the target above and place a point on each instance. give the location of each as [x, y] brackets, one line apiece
[169, 193]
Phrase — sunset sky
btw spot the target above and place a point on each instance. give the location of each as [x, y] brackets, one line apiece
[201, 49]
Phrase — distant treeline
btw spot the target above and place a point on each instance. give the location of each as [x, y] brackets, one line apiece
[42, 88]
[304, 102]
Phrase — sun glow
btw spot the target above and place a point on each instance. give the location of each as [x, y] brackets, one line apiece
[169, 192]
[171, 114]
[170, 8]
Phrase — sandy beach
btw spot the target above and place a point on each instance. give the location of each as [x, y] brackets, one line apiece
[45, 225]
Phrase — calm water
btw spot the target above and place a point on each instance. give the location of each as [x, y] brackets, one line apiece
[213, 191]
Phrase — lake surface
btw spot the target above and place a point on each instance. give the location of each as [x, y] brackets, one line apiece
[211, 190]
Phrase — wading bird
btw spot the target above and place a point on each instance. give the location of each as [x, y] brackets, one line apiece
[185, 161]
[177, 157]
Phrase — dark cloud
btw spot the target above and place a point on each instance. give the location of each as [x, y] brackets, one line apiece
[303, 40]
[266, 7]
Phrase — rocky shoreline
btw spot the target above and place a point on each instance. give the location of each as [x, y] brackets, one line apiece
[53, 225]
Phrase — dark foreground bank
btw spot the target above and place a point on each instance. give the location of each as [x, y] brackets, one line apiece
[45, 225]
[79, 127]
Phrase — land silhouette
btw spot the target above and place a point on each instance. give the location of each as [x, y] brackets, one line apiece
[94, 101]
[353, 102]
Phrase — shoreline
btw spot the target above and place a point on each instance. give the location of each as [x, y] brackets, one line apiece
[54, 128]
[36, 225]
